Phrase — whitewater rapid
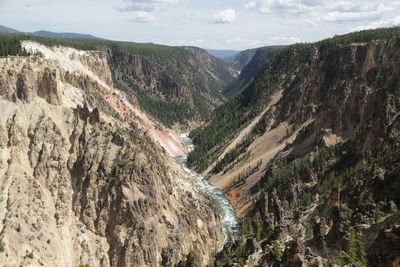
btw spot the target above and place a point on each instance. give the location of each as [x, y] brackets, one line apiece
[230, 225]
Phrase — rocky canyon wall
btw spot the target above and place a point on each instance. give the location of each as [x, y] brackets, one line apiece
[83, 177]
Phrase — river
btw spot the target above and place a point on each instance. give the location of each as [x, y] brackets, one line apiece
[230, 225]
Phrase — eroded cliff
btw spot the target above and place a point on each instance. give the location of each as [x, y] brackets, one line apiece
[83, 177]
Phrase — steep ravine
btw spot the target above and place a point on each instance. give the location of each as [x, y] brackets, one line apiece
[230, 225]
[315, 177]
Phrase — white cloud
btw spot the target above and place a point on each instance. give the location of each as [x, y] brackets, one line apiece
[225, 16]
[188, 19]
[180, 42]
[252, 43]
[285, 40]
[143, 10]
[379, 24]
[30, 4]
[143, 5]
[245, 42]
[349, 16]
[310, 22]
[370, 13]
[315, 12]
[36, 4]
[142, 17]
[250, 5]
[348, 12]
[283, 6]
[345, 6]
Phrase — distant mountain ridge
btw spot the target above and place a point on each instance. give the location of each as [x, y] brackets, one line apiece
[250, 62]
[49, 34]
[243, 58]
[226, 55]
[238, 59]
[66, 35]
[4, 29]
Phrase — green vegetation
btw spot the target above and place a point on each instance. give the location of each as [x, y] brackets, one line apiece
[233, 154]
[253, 227]
[205, 140]
[354, 254]
[259, 57]
[173, 89]
[281, 173]
[231, 117]
[166, 112]
[193, 259]
[241, 178]
[250, 228]
[276, 250]
[235, 114]
[354, 37]
[261, 125]
[151, 50]
[228, 117]
[347, 173]
[10, 45]
[183, 91]
[224, 258]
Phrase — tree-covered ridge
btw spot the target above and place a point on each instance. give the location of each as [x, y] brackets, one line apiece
[323, 201]
[228, 119]
[173, 84]
[147, 49]
[363, 36]
[235, 114]
[259, 57]
[10, 45]
[173, 89]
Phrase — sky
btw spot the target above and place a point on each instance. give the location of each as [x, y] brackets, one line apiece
[213, 24]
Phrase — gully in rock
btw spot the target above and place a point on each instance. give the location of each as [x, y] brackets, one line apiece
[230, 225]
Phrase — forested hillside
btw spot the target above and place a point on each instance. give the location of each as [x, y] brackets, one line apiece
[177, 85]
[173, 84]
[243, 58]
[233, 115]
[309, 155]
[11, 45]
[250, 63]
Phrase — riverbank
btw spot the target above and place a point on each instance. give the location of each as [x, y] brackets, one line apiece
[230, 225]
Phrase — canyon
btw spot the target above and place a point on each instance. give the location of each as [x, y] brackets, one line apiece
[125, 154]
